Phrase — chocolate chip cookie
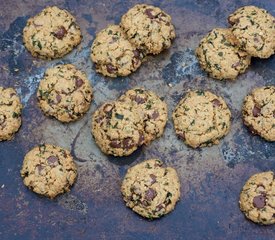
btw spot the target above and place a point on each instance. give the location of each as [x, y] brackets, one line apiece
[64, 93]
[259, 112]
[254, 29]
[151, 109]
[113, 54]
[150, 189]
[10, 113]
[49, 170]
[117, 128]
[52, 33]
[148, 28]
[257, 198]
[201, 118]
[220, 56]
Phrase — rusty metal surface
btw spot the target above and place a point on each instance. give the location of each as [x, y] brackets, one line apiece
[211, 177]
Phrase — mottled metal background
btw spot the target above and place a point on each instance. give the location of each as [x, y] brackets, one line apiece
[211, 177]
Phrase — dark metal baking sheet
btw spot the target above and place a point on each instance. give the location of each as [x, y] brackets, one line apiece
[211, 177]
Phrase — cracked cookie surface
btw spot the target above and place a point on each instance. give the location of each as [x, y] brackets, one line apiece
[219, 55]
[254, 29]
[49, 170]
[150, 189]
[113, 54]
[149, 28]
[259, 112]
[10, 113]
[257, 198]
[152, 110]
[201, 118]
[117, 128]
[52, 33]
[64, 93]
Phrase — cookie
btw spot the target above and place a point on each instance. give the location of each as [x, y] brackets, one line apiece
[259, 112]
[117, 128]
[10, 113]
[113, 54]
[151, 109]
[148, 28]
[51, 34]
[219, 55]
[49, 170]
[64, 93]
[254, 29]
[257, 198]
[150, 189]
[201, 118]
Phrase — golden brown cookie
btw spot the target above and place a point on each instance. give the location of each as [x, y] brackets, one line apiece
[201, 118]
[64, 93]
[52, 33]
[152, 110]
[113, 54]
[150, 189]
[254, 29]
[117, 128]
[149, 28]
[257, 198]
[259, 112]
[220, 56]
[10, 113]
[49, 170]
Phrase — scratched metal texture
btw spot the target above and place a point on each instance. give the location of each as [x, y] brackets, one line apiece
[211, 178]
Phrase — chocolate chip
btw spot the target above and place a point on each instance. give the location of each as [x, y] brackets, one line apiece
[110, 68]
[58, 98]
[79, 82]
[150, 194]
[154, 115]
[216, 103]
[138, 99]
[39, 168]
[159, 207]
[274, 114]
[256, 111]
[181, 136]
[128, 143]
[153, 178]
[115, 144]
[256, 39]
[148, 12]
[60, 32]
[136, 54]
[52, 160]
[259, 201]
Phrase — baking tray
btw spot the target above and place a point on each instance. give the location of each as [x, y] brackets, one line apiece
[211, 178]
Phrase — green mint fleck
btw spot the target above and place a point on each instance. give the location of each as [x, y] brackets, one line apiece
[119, 116]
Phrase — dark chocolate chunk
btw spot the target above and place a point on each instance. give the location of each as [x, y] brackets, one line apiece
[138, 99]
[60, 32]
[39, 168]
[235, 65]
[216, 103]
[58, 98]
[52, 160]
[259, 201]
[153, 178]
[256, 111]
[115, 144]
[159, 207]
[110, 68]
[150, 194]
[128, 143]
[148, 12]
[154, 115]
[274, 114]
[79, 82]
[141, 138]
